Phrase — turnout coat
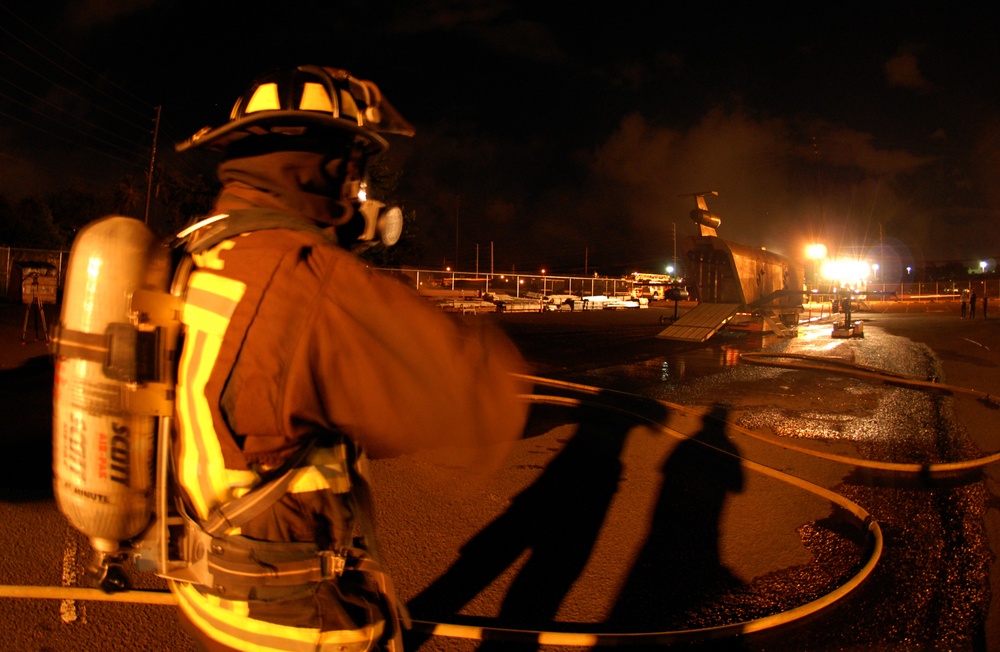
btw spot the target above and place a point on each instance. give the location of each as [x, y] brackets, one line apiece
[291, 339]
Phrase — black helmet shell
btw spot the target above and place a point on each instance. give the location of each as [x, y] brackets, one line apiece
[306, 100]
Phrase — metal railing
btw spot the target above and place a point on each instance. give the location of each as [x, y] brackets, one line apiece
[514, 284]
[518, 285]
[933, 290]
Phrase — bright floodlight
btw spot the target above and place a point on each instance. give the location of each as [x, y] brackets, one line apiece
[816, 251]
[982, 265]
[845, 271]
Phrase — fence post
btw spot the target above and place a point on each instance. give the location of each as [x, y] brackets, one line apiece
[6, 275]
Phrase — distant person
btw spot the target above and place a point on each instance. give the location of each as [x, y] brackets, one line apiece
[972, 306]
[965, 304]
[984, 304]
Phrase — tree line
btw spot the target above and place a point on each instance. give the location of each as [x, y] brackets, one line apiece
[51, 220]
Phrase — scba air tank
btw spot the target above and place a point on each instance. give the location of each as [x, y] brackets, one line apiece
[103, 450]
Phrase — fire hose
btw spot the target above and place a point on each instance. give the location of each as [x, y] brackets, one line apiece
[679, 420]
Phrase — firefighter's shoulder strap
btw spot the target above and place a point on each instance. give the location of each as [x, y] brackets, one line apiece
[245, 565]
[242, 510]
[210, 231]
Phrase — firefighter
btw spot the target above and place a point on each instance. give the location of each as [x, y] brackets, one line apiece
[299, 363]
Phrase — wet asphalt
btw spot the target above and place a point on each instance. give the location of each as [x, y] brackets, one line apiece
[937, 583]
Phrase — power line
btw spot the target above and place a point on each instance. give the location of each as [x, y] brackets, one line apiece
[41, 89]
[63, 138]
[68, 54]
[69, 90]
[61, 110]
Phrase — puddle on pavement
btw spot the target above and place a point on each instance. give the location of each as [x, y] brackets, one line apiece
[791, 402]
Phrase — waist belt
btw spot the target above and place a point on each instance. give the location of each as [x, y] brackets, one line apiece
[235, 567]
[246, 569]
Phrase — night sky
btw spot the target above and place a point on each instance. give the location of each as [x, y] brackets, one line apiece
[553, 135]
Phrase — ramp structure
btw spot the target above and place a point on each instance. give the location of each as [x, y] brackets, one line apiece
[701, 322]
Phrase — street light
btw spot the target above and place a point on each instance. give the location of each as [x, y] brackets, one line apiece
[982, 265]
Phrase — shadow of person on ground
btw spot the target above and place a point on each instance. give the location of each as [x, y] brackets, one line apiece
[555, 520]
[26, 409]
[679, 564]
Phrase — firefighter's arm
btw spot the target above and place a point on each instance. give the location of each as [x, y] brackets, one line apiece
[399, 375]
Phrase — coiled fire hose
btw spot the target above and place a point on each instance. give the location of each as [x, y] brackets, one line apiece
[681, 423]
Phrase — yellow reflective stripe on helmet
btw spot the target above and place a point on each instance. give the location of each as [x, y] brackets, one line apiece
[209, 305]
[229, 623]
[315, 97]
[265, 98]
[348, 107]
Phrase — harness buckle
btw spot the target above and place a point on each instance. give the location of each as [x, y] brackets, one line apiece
[332, 563]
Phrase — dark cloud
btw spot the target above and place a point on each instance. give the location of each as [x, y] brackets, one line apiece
[84, 15]
[904, 70]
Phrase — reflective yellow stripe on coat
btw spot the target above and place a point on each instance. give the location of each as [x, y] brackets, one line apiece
[209, 305]
[228, 622]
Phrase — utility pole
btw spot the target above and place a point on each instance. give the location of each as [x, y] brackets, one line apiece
[674, 225]
[488, 278]
[458, 207]
[152, 164]
[881, 252]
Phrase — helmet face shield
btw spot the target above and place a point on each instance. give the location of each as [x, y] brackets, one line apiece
[307, 101]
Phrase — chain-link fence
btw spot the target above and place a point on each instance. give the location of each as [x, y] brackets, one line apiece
[469, 284]
[426, 281]
[934, 290]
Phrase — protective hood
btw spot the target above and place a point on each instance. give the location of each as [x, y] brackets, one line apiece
[305, 184]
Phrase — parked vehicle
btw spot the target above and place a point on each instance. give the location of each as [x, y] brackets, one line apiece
[561, 302]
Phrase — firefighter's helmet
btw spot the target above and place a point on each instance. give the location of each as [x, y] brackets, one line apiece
[305, 100]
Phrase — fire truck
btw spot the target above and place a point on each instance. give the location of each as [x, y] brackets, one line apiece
[655, 287]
